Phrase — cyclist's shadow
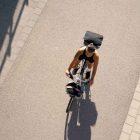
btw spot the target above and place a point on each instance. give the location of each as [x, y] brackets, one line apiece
[82, 118]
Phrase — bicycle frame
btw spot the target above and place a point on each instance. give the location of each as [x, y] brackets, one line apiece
[80, 83]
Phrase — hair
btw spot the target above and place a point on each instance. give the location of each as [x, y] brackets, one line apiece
[86, 43]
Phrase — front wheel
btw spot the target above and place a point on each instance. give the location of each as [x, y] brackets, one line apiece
[69, 104]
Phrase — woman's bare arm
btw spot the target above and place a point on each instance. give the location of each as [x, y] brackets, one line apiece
[96, 62]
[75, 61]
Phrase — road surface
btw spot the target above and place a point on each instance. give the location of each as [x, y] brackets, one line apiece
[32, 98]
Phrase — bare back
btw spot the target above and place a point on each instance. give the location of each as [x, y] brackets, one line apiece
[76, 60]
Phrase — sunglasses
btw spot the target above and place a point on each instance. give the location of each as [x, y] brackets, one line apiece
[91, 49]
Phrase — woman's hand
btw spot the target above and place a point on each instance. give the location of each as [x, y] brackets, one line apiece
[67, 72]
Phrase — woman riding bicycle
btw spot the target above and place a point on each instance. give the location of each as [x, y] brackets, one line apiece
[92, 42]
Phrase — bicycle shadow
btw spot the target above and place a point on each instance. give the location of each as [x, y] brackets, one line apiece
[8, 26]
[85, 115]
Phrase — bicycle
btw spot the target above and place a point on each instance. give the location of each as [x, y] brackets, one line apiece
[82, 77]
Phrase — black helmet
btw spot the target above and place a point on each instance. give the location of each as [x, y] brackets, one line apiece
[94, 38]
[73, 89]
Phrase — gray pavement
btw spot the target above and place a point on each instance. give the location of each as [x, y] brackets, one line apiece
[33, 100]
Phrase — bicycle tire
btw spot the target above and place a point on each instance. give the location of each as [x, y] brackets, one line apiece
[69, 104]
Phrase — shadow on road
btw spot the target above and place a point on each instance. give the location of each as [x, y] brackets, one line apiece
[83, 115]
[8, 25]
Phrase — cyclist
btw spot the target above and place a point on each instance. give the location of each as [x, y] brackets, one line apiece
[92, 42]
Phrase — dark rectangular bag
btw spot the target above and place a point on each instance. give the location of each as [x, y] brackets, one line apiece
[93, 37]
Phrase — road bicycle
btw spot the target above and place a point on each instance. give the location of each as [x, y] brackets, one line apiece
[80, 77]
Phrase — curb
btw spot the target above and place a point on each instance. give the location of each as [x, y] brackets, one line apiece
[131, 127]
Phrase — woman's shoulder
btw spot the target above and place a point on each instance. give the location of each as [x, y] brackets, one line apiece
[81, 49]
[96, 54]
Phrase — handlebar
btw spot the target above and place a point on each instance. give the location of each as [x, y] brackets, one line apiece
[76, 79]
[70, 75]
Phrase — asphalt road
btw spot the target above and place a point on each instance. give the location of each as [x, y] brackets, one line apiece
[32, 98]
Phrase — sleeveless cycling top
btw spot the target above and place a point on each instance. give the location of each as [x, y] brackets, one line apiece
[83, 56]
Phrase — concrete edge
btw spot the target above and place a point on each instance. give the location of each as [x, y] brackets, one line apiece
[131, 127]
